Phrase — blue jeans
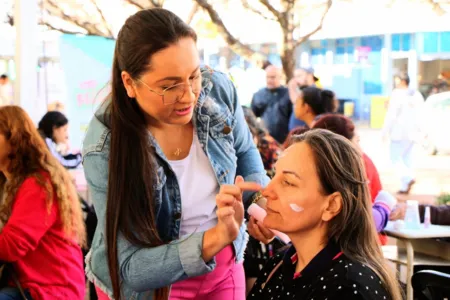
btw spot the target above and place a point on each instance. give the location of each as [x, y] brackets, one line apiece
[11, 293]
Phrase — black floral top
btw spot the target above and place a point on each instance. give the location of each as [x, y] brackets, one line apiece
[330, 275]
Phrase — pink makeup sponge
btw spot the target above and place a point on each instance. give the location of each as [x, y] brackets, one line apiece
[259, 214]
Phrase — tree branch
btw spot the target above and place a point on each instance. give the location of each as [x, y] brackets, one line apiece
[10, 19]
[192, 13]
[157, 3]
[256, 11]
[90, 28]
[319, 27]
[50, 26]
[151, 4]
[236, 45]
[108, 28]
[134, 3]
[436, 7]
[272, 9]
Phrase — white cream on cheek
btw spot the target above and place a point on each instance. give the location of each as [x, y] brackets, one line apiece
[296, 207]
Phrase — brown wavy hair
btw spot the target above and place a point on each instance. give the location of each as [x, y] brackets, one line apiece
[30, 157]
[340, 169]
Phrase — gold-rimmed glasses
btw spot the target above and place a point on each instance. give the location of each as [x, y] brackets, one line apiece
[174, 93]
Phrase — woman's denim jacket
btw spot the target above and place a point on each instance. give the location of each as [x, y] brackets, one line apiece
[226, 140]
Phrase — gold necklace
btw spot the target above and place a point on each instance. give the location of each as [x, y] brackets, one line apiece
[177, 152]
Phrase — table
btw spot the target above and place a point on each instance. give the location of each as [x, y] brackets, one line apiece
[408, 236]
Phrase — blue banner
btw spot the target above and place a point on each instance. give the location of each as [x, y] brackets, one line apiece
[87, 63]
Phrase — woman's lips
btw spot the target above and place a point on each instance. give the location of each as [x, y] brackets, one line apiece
[184, 111]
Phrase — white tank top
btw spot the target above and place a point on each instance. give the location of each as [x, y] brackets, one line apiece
[198, 188]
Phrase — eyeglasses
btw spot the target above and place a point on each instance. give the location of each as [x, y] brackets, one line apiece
[174, 93]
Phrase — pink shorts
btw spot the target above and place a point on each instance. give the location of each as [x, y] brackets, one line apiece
[226, 282]
[100, 294]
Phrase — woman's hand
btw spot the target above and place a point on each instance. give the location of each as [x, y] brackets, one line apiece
[259, 231]
[398, 213]
[230, 209]
[292, 87]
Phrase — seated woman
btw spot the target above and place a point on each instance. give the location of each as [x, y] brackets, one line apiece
[53, 127]
[42, 225]
[318, 197]
[383, 201]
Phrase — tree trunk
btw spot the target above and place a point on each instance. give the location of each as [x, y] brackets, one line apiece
[288, 50]
[288, 62]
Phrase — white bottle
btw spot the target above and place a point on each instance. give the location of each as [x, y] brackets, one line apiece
[412, 217]
[427, 217]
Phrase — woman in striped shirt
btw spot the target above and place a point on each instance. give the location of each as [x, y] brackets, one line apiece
[53, 127]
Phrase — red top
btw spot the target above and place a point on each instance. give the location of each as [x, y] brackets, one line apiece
[46, 263]
[374, 186]
[372, 176]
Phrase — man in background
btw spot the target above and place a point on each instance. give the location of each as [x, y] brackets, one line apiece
[6, 91]
[303, 77]
[402, 126]
[272, 105]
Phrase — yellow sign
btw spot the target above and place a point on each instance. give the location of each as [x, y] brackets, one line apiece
[206, 29]
[378, 109]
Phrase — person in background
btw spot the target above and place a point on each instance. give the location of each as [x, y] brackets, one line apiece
[344, 126]
[382, 201]
[156, 153]
[303, 77]
[318, 197]
[256, 254]
[56, 106]
[313, 102]
[272, 105]
[42, 220]
[296, 131]
[54, 127]
[6, 90]
[267, 146]
[402, 127]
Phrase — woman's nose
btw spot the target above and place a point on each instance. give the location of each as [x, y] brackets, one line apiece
[189, 96]
[269, 192]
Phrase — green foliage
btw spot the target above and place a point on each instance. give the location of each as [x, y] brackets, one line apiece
[444, 199]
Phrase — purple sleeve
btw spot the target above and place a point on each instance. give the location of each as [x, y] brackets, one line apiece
[380, 216]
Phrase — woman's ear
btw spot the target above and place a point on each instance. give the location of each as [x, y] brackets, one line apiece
[333, 206]
[128, 84]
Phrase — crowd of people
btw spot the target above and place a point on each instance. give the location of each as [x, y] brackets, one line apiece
[173, 162]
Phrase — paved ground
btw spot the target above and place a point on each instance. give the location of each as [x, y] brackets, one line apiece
[432, 172]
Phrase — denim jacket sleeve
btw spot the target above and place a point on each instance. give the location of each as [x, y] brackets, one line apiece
[249, 162]
[143, 269]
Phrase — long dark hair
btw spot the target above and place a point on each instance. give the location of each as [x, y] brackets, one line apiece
[340, 169]
[130, 206]
[50, 121]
